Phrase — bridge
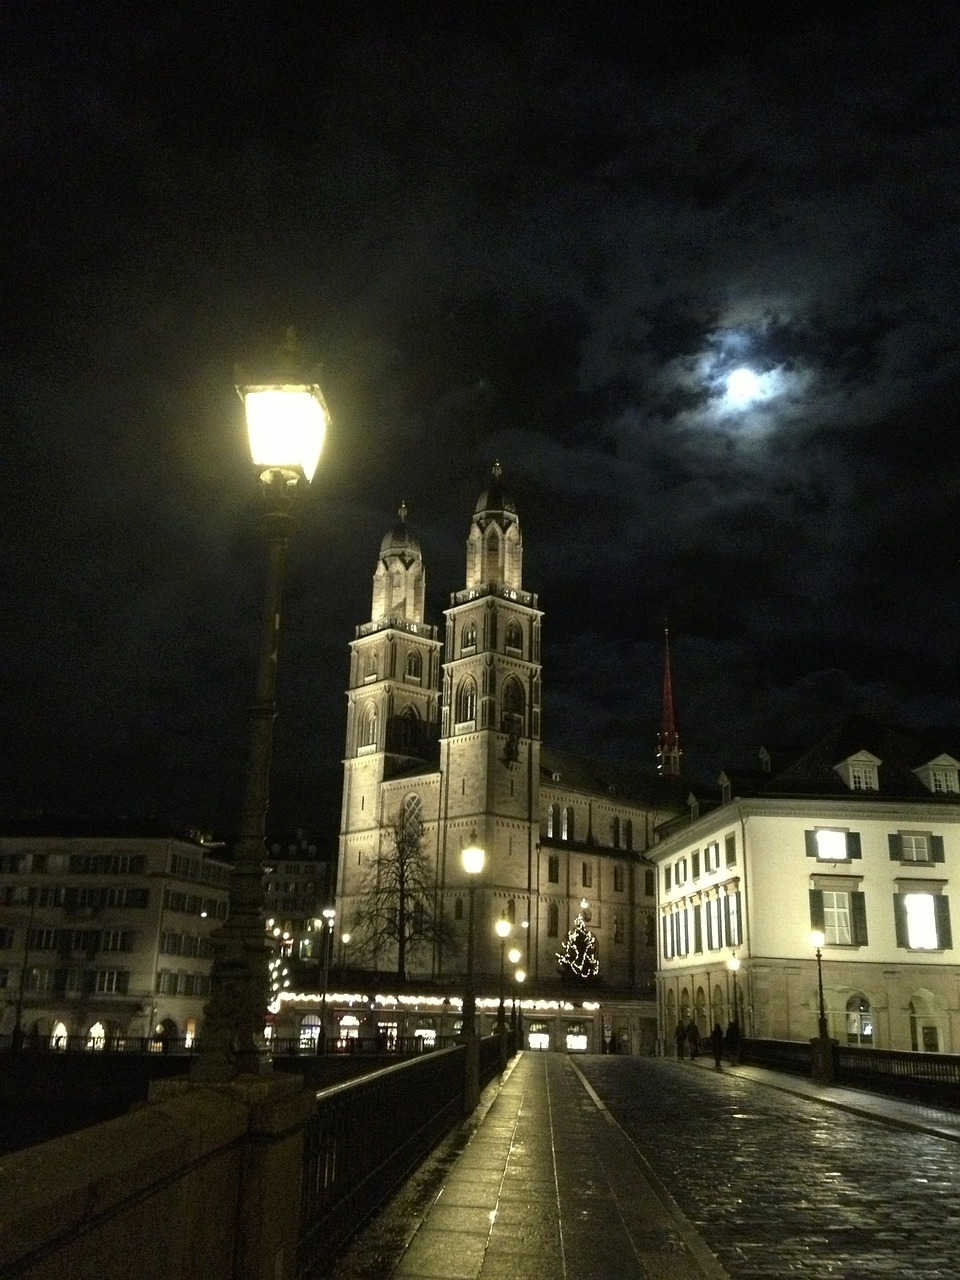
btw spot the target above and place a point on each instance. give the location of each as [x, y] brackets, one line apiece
[570, 1166]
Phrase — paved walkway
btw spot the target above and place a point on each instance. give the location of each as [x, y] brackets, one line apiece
[543, 1184]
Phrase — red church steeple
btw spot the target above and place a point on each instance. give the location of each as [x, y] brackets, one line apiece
[668, 742]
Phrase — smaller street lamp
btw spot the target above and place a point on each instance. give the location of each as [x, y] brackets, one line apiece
[513, 955]
[503, 933]
[817, 939]
[326, 941]
[733, 964]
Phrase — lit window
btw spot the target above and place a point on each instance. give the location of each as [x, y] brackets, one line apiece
[859, 1020]
[832, 846]
[711, 857]
[921, 921]
[681, 871]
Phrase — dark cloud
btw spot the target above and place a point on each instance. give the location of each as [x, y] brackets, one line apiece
[536, 237]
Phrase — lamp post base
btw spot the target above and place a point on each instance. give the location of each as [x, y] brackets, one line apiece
[822, 1067]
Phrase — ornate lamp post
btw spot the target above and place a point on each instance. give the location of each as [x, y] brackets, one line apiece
[473, 859]
[822, 1067]
[286, 421]
[513, 955]
[817, 939]
[329, 916]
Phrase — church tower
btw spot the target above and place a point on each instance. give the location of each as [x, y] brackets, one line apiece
[490, 723]
[392, 698]
[669, 753]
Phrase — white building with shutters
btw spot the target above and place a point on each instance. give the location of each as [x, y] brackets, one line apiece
[858, 838]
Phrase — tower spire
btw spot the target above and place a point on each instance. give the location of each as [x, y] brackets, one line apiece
[668, 742]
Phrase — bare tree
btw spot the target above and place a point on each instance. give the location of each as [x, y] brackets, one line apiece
[397, 908]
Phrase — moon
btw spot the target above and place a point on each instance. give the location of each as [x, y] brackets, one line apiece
[743, 385]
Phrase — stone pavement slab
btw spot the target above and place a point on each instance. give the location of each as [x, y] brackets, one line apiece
[541, 1185]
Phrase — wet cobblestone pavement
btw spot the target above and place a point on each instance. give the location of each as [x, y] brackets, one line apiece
[779, 1186]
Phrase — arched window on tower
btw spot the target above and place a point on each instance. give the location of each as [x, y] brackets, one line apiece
[553, 822]
[467, 701]
[615, 832]
[414, 666]
[491, 554]
[553, 920]
[469, 640]
[458, 908]
[413, 813]
[405, 730]
[514, 638]
[513, 704]
[566, 825]
[628, 833]
[368, 726]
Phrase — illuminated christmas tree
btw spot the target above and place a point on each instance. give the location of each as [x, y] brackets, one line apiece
[578, 959]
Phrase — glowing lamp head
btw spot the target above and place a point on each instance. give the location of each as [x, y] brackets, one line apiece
[286, 423]
[817, 938]
[473, 857]
[520, 975]
[513, 955]
[733, 964]
[503, 929]
[344, 938]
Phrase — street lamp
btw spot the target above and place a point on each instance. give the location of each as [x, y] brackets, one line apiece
[326, 927]
[817, 939]
[473, 859]
[513, 955]
[503, 933]
[286, 422]
[520, 976]
[733, 964]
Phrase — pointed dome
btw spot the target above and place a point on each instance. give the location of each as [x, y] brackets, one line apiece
[400, 540]
[493, 498]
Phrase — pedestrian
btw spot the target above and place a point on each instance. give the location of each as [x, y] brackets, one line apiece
[693, 1040]
[680, 1035]
[716, 1043]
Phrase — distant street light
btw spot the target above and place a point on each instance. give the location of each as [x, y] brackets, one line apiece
[503, 933]
[286, 422]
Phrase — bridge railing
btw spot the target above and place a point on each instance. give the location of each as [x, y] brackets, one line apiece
[367, 1135]
[933, 1078]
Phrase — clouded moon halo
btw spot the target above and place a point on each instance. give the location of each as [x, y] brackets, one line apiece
[743, 385]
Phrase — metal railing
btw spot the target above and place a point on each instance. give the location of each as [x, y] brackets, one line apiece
[366, 1136]
[933, 1078]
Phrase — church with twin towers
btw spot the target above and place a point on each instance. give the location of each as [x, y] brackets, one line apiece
[444, 751]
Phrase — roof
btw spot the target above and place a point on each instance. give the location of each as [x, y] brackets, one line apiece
[611, 777]
[52, 827]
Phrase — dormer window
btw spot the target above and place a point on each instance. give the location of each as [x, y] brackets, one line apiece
[859, 772]
[940, 775]
[724, 788]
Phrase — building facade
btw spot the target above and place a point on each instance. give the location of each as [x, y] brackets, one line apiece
[444, 738]
[858, 840]
[105, 932]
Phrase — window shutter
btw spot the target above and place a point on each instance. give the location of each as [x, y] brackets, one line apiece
[697, 928]
[936, 848]
[710, 942]
[896, 846]
[900, 920]
[816, 909]
[858, 909]
[810, 838]
[853, 845]
[941, 905]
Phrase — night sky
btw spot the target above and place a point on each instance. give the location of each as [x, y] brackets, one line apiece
[546, 238]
